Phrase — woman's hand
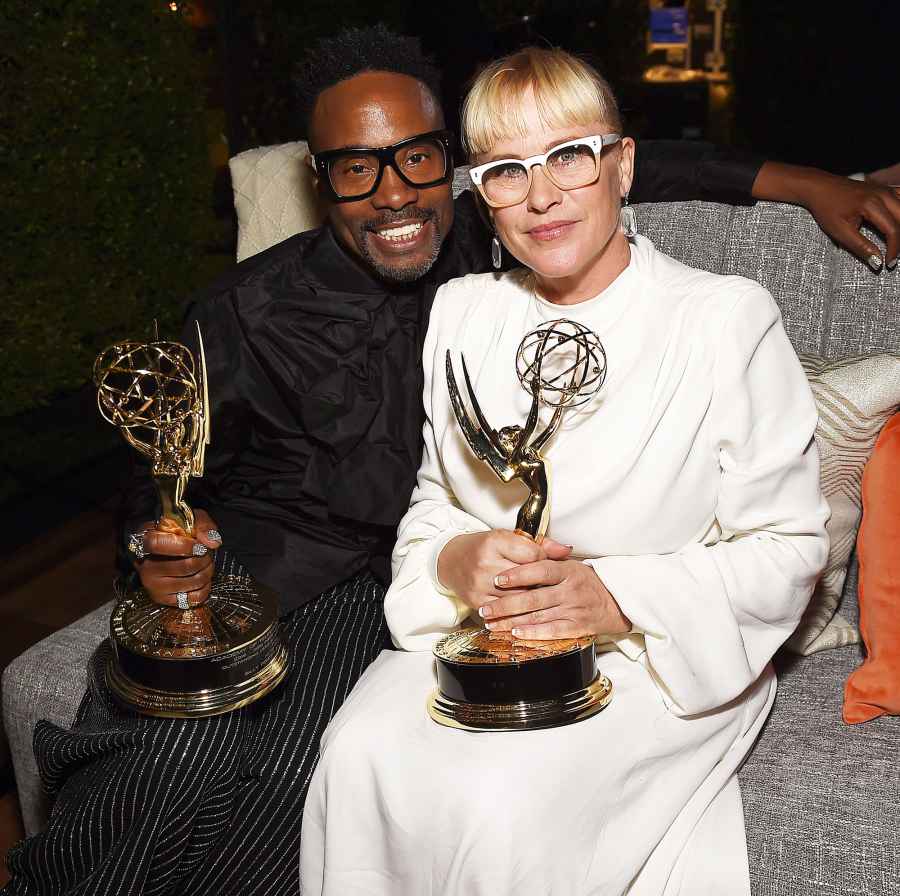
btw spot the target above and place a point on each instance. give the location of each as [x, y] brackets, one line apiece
[176, 563]
[468, 564]
[554, 599]
[839, 205]
[889, 176]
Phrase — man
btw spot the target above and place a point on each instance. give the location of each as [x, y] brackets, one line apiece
[313, 352]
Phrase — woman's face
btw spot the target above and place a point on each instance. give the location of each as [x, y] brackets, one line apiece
[570, 238]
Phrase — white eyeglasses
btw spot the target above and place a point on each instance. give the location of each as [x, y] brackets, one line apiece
[573, 164]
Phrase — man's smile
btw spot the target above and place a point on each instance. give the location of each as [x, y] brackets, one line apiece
[402, 235]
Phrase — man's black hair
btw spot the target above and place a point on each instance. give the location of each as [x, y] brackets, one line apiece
[356, 50]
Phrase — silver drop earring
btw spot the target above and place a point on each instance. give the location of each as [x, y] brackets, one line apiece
[628, 219]
[496, 252]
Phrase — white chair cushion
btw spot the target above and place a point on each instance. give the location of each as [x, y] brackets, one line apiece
[273, 196]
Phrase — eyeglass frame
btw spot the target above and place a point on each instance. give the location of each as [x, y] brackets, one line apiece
[386, 156]
[597, 142]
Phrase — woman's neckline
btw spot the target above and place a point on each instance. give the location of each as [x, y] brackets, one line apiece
[609, 297]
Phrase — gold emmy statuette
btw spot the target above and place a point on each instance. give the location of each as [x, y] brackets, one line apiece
[491, 681]
[226, 652]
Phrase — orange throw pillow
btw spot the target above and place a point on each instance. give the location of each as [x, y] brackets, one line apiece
[874, 688]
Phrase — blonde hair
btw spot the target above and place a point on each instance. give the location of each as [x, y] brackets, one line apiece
[567, 91]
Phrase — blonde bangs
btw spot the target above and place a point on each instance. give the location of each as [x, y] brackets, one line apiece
[567, 92]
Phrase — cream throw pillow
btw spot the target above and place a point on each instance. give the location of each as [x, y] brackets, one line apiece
[273, 196]
[855, 397]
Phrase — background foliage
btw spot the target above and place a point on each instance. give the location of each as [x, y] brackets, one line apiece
[105, 180]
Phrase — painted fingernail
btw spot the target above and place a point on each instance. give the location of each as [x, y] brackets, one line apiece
[200, 550]
[516, 632]
[875, 263]
[500, 581]
[892, 264]
[484, 612]
[490, 626]
[214, 535]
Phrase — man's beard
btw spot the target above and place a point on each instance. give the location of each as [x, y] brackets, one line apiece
[399, 273]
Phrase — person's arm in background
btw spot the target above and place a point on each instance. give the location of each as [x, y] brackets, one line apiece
[682, 170]
[685, 170]
[889, 176]
[840, 206]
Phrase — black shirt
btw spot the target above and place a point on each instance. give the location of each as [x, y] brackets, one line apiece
[315, 385]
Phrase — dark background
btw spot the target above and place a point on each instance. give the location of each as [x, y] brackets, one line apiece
[117, 120]
[814, 83]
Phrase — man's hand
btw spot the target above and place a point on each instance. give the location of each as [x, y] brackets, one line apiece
[554, 599]
[840, 206]
[176, 563]
[469, 563]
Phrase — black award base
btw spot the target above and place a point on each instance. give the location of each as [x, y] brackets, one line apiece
[200, 662]
[487, 683]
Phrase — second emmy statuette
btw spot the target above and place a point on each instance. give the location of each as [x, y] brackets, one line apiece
[209, 658]
[492, 681]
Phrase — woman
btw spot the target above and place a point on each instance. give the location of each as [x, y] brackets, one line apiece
[689, 491]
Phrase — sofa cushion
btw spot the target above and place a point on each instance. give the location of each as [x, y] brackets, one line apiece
[273, 196]
[793, 259]
[855, 396]
[863, 311]
[821, 798]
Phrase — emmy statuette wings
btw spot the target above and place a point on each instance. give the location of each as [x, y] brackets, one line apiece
[578, 363]
[481, 436]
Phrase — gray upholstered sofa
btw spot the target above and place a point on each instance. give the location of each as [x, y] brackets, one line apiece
[821, 799]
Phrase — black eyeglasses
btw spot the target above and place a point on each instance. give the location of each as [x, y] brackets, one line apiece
[425, 160]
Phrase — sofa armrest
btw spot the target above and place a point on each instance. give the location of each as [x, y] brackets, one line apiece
[47, 682]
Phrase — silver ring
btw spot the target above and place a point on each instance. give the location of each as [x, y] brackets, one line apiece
[136, 544]
[182, 599]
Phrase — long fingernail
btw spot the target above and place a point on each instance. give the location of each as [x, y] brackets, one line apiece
[892, 264]
[875, 262]
[490, 626]
[214, 535]
[500, 581]
[484, 612]
[199, 550]
[516, 632]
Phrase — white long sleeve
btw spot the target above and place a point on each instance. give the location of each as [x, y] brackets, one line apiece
[691, 485]
[712, 616]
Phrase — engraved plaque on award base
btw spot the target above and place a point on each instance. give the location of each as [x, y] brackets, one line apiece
[211, 659]
[486, 683]
[491, 681]
[215, 654]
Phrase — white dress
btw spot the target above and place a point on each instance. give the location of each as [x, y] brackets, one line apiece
[691, 485]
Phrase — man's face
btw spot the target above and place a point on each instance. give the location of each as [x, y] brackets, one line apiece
[398, 230]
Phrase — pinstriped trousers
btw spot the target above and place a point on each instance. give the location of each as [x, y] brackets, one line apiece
[206, 807]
